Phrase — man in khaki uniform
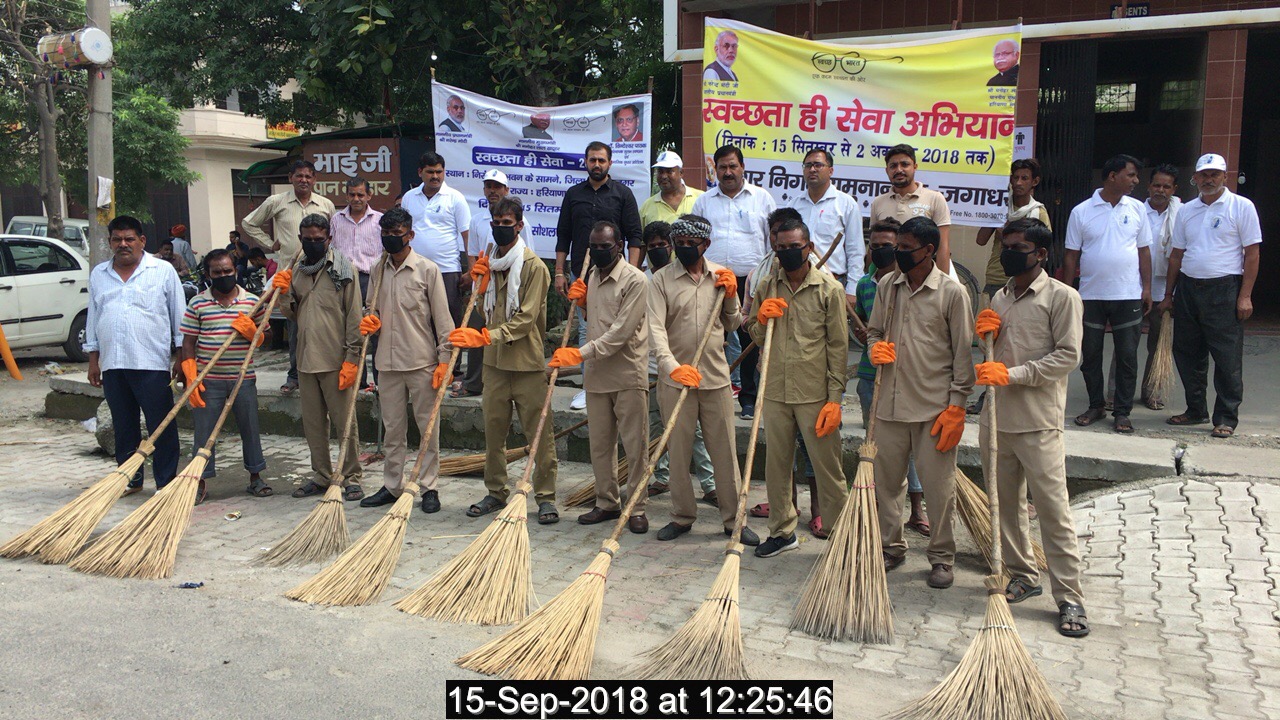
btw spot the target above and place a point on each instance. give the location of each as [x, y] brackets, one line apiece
[805, 380]
[908, 198]
[515, 310]
[928, 374]
[616, 355]
[321, 293]
[412, 321]
[1039, 325]
[681, 296]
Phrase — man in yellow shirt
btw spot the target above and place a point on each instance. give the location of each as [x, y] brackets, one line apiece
[674, 198]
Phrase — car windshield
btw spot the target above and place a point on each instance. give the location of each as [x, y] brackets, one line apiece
[22, 227]
[71, 233]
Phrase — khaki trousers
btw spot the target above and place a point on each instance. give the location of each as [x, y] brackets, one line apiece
[625, 413]
[895, 443]
[1037, 460]
[395, 391]
[714, 409]
[323, 402]
[781, 421]
[525, 391]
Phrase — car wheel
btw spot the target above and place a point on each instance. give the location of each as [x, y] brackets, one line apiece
[74, 346]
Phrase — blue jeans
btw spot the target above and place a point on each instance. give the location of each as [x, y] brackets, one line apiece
[129, 392]
[245, 408]
[867, 388]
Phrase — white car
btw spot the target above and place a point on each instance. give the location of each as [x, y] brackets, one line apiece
[74, 231]
[44, 294]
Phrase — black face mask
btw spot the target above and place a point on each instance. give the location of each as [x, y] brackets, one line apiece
[907, 259]
[602, 257]
[313, 250]
[659, 257]
[224, 284]
[1014, 262]
[791, 259]
[688, 256]
[504, 235]
[882, 257]
[392, 243]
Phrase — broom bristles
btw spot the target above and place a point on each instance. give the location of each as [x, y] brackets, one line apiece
[474, 464]
[558, 640]
[995, 680]
[847, 595]
[322, 534]
[60, 536]
[974, 509]
[360, 575]
[145, 543]
[709, 645]
[585, 494]
[489, 583]
[1160, 381]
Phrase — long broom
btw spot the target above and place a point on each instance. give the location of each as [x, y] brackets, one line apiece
[557, 641]
[709, 645]
[489, 582]
[975, 512]
[846, 596]
[474, 464]
[323, 533]
[585, 494]
[145, 543]
[1160, 381]
[360, 575]
[57, 538]
[996, 679]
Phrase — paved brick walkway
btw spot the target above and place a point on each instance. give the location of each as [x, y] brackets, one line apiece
[1182, 585]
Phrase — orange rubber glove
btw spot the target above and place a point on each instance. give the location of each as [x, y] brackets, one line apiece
[687, 375]
[948, 428]
[480, 272]
[370, 324]
[988, 322]
[828, 419]
[578, 292]
[727, 280]
[189, 372]
[884, 353]
[243, 325]
[771, 308]
[565, 357]
[281, 280]
[437, 377]
[470, 338]
[992, 373]
[347, 375]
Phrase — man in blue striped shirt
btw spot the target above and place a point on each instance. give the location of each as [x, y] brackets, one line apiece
[135, 312]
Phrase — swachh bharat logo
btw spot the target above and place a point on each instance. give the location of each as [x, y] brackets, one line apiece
[850, 63]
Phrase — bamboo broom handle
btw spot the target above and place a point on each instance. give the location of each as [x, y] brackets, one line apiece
[244, 369]
[993, 493]
[875, 395]
[424, 441]
[740, 520]
[638, 480]
[524, 486]
[821, 261]
[349, 429]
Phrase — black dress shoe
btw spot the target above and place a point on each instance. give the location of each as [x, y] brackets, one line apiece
[672, 530]
[638, 524]
[598, 515]
[431, 501]
[378, 499]
[746, 537]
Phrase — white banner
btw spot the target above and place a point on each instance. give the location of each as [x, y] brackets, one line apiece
[541, 150]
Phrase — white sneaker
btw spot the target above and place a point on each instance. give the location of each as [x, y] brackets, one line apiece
[579, 401]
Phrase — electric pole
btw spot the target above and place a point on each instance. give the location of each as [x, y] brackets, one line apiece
[101, 149]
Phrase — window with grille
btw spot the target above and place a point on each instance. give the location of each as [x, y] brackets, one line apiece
[1116, 98]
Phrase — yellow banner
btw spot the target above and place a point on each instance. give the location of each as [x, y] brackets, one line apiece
[778, 98]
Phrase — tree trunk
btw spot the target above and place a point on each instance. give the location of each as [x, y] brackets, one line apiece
[45, 102]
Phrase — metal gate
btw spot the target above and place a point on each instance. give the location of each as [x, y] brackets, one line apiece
[1064, 131]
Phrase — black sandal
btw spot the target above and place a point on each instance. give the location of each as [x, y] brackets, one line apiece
[202, 492]
[1021, 590]
[258, 488]
[308, 490]
[1090, 416]
[351, 493]
[484, 507]
[1122, 425]
[1072, 614]
[547, 514]
[1184, 419]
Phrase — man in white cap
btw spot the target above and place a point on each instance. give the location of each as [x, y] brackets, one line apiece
[674, 197]
[1212, 269]
[479, 238]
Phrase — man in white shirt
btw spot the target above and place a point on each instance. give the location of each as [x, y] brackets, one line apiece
[441, 220]
[739, 216]
[479, 237]
[829, 212]
[1162, 205]
[1212, 269]
[1109, 241]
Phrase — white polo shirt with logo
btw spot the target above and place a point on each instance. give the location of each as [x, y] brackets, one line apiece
[1108, 238]
[1214, 236]
[438, 224]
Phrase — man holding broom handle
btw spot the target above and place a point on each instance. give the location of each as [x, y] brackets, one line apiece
[617, 374]
[807, 370]
[321, 293]
[515, 311]
[413, 322]
[1038, 326]
[920, 332]
[1162, 206]
[681, 296]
